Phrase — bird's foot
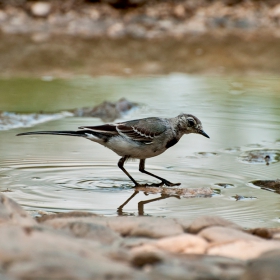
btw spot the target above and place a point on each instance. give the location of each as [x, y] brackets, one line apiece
[169, 184]
[164, 182]
[155, 185]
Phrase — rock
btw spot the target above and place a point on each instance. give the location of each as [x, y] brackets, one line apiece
[197, 267]
[96, 232]
[267, 266]
[271, 185]
[243, 249]
[183, 244]
[275, 11]
[146, 255]
[262, 232]
[40, 253]
[107, 111]
[40, 9]
[208, 221]
[12, 213]
[150, 227]
[81, 225]
[131, 242]
[222, 234]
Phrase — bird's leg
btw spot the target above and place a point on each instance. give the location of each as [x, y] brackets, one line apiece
[120, 165]
[163, 181]
[120, 208]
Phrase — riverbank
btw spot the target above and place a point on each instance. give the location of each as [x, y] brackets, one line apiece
[68, 38]
[67, 56]
[82, 245]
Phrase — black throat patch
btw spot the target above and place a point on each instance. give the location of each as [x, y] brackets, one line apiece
[171, 143]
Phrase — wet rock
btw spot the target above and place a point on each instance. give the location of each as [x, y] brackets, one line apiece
[223, 234]
[270, 185]
[38, 253]
[40, 9]
[150, 227]
[267, 266]
[12, 213]
[260, 156]
[198, 267]
[96, 232]
[93, 227]
[107, 111]
[244, 249]
[208, 221]
[262, 232]
[183, 244]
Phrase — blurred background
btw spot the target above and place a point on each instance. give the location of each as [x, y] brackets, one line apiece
[219, 60]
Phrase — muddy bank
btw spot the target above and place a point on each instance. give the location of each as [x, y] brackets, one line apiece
[80, 245]
[69, 56]
[63, 38]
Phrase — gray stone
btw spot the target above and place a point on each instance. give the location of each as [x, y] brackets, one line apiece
[266, 267]
[198, 267]
[208, 221]
[65, 265]
[222, 234]
[151, 227]
[82, 225]
[37, 253]
[92, 231]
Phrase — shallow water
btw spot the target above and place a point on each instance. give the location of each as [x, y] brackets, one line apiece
[55, 173]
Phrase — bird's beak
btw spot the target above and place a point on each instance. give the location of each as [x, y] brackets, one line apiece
[203, 133]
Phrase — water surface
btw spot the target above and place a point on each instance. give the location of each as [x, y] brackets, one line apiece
[56, 173]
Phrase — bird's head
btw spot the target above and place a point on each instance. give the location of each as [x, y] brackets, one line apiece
[190, 124]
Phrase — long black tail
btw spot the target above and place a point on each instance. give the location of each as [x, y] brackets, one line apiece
[79, 133]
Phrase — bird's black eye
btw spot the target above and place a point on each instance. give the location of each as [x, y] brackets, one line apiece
[191, 123]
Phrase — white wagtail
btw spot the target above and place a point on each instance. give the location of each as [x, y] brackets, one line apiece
[140, 139]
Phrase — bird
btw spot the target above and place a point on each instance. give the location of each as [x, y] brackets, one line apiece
[137, 139]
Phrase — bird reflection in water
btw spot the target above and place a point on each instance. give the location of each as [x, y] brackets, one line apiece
[164, 193]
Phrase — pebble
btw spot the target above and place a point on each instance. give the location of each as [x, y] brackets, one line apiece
[40, 9]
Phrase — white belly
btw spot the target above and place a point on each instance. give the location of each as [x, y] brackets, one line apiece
[126, 147]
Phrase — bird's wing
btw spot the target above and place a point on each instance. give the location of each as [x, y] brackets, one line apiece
[108, 129]
[143, 130]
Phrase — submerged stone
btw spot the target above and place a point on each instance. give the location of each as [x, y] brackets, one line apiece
[269, 185]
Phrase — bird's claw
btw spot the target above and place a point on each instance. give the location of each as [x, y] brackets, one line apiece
[165, 182]
[156, 184]
[169, 184]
